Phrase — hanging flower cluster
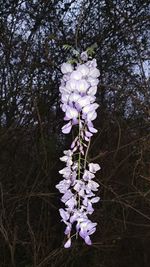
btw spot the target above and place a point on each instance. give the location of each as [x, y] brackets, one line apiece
[78, 88]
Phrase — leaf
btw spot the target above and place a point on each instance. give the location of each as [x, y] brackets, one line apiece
[90, 50]
[67, 47]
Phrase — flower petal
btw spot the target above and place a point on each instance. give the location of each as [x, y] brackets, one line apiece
[68, 243]
[88, 240]
[67, 128]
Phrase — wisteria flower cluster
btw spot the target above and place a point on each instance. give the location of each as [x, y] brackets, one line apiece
[78, 88]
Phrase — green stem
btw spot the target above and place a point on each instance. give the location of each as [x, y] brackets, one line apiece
[86, 154]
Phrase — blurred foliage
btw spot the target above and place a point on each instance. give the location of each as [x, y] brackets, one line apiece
[33, 42]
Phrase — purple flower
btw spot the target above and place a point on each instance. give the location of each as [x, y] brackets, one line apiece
[71, 113]
[66, 68]
[94, 167]
[71, 203]
[77, 91]
[84, 56]
[83, 69]
[94, 73]
[63, 186]
[93, 81]
[92, 90]
[92, 186]
[88, 175]
[66, 172]
[82, 86]
[76, 75]
[74, 97]
[71, 85]
[67, 196]
[64, 214]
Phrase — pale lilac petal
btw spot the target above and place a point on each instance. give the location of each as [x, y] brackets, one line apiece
[75, 121]
[66, 118]
[94, 73]
[83, 101]
[64, 214]
[68, 243]
[92, 90]
[64, 107]
[71, 85]
[88, 134]
[63, 186]
[92, 231]
[66, 67]
[66, 77]
[71, 203]
[85, 201]
[83, 69]
[87, 139]
[64, 98]
[67, 196]
[92, 129]
[84, 56]
[74, 142]
[77, 186]
[92, 185]
[82, 192]
[74, 97]
[94, 167]
[95, 199]
[76, 75]
[90, 208]
[88, 240]
[67, 128]
[83, 233]
[68, 229]
[82, 86]
[65, 171]
[91, 116]
[93, 82]
[71, 112]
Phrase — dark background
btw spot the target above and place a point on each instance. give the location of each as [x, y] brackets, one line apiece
[32, 35]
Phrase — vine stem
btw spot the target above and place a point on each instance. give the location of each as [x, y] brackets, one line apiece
[86, 154]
